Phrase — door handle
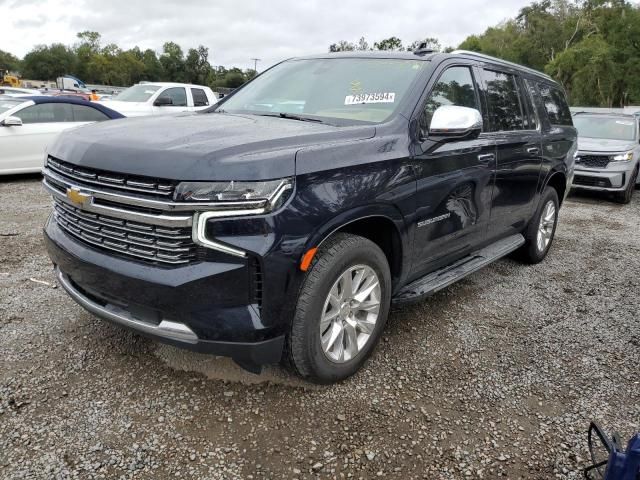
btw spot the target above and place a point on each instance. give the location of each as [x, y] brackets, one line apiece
[533, 150]
[486, 158]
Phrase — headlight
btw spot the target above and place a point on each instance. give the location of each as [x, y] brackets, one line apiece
[622, 157]
[232, 196]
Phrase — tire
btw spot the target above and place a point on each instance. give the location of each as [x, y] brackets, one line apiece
[533, 251]
[305, 352]
[626, 196]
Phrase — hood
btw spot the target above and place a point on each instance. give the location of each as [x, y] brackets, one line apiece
[195, 146]
[603, 145]
[129, 109]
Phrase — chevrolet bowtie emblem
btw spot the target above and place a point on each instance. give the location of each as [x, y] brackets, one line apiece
[77, 197]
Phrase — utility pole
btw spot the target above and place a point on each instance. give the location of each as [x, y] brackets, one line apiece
[255, 64]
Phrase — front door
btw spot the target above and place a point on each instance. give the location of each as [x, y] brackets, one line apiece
[454, 180]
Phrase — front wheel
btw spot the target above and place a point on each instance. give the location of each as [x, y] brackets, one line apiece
[342, 310]
[542, 228]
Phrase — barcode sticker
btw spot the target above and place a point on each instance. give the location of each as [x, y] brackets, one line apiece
[387, 97]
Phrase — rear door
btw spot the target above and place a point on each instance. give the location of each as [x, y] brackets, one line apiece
[200, 99]
[514, 127]
[454, 179]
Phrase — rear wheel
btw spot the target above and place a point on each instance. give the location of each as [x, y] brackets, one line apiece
[342, 309]
[541, 231]
[626, 196]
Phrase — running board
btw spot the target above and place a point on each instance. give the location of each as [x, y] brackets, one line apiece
[436, 281]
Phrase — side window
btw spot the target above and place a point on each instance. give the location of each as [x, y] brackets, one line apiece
[177, 94]
[556, 105]
[531, 118]
[82, 113]
[199, 97]
[46, 113]
[454, 87]
[505, 111]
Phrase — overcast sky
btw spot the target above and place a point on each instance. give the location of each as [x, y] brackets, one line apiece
[237, 30]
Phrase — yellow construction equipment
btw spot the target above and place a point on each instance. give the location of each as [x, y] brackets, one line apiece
[10, 80]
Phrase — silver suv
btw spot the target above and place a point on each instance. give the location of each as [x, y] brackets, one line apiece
[608, 153]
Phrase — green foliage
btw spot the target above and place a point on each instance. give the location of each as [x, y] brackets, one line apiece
[391, 43]
[592, 47]
[48, 62]
[94, 63]
[8, 62]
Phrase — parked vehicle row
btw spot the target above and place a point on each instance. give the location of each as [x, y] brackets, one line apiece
[281, 223]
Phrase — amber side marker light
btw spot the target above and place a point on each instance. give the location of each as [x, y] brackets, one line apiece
[307, 258]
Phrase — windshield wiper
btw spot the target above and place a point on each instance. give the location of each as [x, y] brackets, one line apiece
[291, 116]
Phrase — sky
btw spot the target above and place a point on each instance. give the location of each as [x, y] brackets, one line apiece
[238, 30]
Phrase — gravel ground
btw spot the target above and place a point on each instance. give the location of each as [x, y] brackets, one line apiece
[496, 376]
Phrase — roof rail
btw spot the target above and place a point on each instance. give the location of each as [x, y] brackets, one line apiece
[499, 60]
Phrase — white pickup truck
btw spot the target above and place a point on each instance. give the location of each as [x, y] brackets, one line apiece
[161, 98]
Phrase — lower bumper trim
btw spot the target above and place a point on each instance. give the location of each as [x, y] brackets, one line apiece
[248, 355]
[165, 329]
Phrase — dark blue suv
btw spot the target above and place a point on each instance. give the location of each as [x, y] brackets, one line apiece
[281, 224]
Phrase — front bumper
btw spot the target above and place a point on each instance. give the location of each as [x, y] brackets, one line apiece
[600, 180]
[204, 307]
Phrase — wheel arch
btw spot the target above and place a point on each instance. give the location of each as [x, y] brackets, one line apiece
[557, 179]
[384, 225]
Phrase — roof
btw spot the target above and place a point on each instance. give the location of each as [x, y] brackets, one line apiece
[367, 54]
[387, 54]
[72, 100]
[171, 84]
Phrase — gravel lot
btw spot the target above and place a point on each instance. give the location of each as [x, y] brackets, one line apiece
[498, 375]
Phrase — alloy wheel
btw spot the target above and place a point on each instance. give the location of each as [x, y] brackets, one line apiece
[350, 313]
[547, 225]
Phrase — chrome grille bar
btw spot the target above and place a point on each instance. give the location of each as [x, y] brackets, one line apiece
[126, 238]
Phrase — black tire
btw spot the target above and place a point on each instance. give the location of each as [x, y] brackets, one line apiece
[530, 251]
[303, 349]
[626, 196]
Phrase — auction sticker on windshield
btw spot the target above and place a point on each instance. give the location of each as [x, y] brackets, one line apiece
[388, 97]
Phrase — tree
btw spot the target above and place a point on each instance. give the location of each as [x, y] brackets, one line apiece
[391, 43]
[429, 42]
[48, 62]
[342, 46]
[8, 62]
[86, 49]
[172, 60]
[152, 68]
[197, 67]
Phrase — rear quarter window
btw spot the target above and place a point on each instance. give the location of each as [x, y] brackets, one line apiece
[555, 105]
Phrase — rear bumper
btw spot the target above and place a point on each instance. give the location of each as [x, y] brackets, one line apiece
[205, 307]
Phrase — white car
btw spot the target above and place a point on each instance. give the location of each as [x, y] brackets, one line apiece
[160, 98]
[28, 124]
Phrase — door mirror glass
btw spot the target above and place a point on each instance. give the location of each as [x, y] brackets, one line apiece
[163, 102]
[12, 122]
[454, 122]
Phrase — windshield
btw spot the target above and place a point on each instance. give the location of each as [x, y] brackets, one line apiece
[137, 93]
[357, 90]
[609, 128]
[7, 104]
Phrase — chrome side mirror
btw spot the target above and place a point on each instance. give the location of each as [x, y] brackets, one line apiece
[11, 122]
[453, 122]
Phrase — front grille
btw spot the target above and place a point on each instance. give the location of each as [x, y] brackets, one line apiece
[591, 181]
[593, 161]
[167, 245]
[148, 186]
